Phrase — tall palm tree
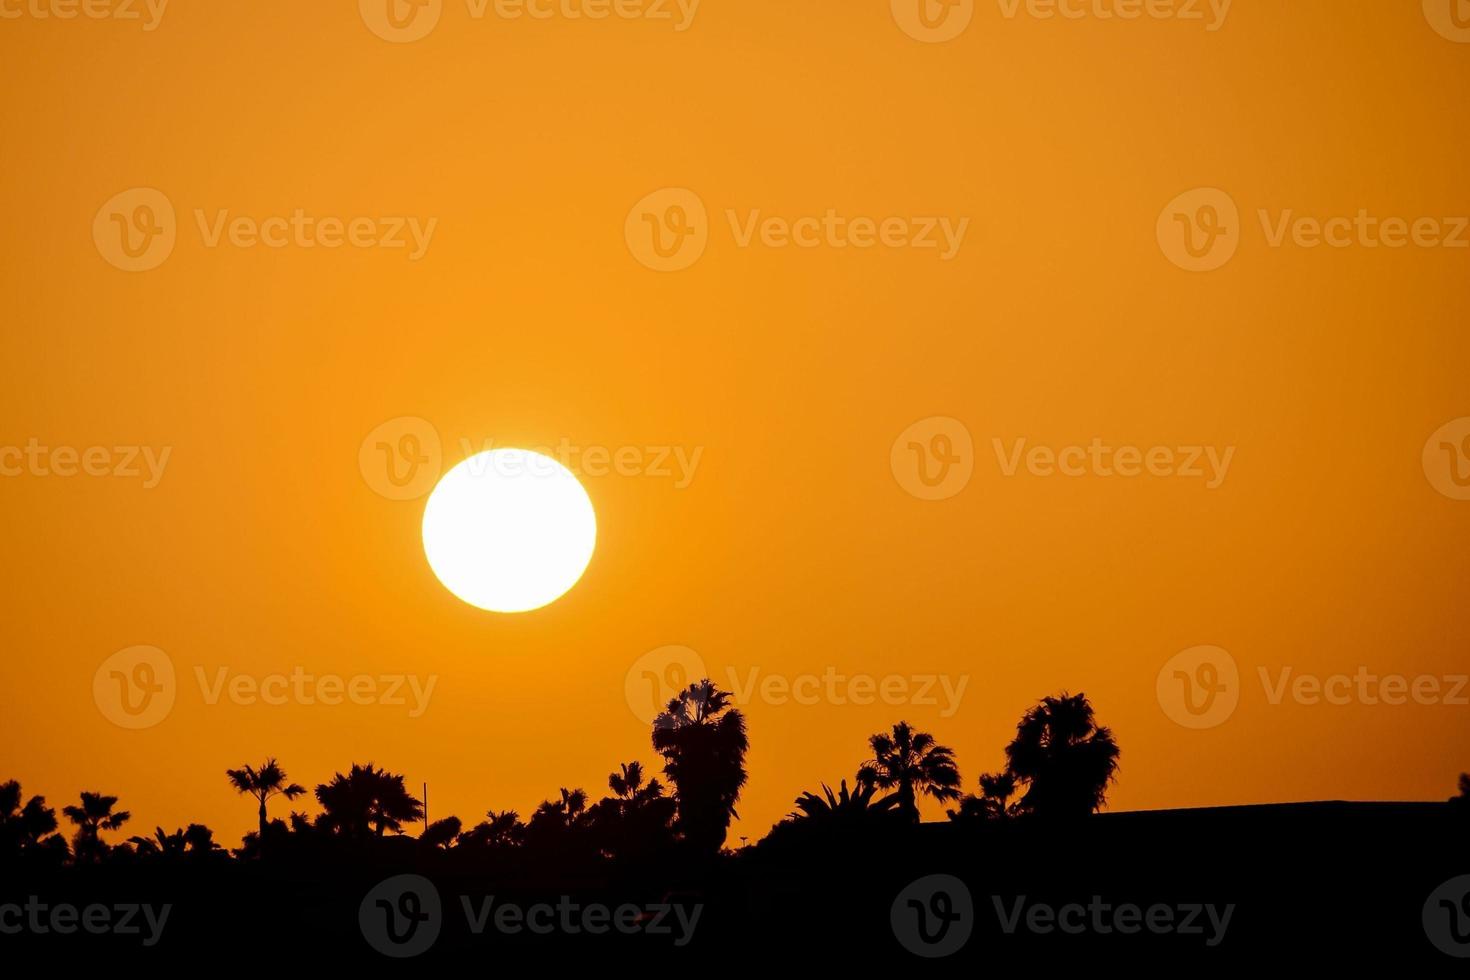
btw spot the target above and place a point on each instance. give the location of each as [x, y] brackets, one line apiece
[912, 763]
[703, 742]
[1065, 759]
[367, 800]
[263, 783]
[91, 818]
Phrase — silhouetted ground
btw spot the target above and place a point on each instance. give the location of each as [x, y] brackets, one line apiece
[1313, 884]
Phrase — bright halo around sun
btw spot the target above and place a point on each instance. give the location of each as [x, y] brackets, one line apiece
[509, 530]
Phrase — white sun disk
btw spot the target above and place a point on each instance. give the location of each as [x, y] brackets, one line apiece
[509, 530]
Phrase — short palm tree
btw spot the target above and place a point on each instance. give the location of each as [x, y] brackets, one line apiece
[844, 808]
[91, 818]
[263, 783]
[630, 789]
[1064, 757]
[367, 800]
[912, 763]
[22, 826]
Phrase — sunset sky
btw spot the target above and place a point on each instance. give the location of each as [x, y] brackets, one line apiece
[742, 417]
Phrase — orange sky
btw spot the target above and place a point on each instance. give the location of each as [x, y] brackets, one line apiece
[794, 549]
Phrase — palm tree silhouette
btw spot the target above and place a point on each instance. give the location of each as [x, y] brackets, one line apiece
[501, 830]
[912, 763]
[367, 800]
[703, 742]
[91, 818]
[845, 808]
[629, 789]
[993, 803]
[1064, 757]
[562, 814]
[22, 827]
[161, 844]
[263, 783]
[442, 833]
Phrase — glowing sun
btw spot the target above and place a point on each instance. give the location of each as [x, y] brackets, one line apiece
[509, 530]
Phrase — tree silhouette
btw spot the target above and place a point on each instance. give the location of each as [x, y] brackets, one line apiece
[844, 809]
[23, 827]
[91, 818]
[441, 833]
[1461, 803]
[993, 803]
[635, 822]
[559, 815]
[263, 783]
[629, 788]
[1063, 757]
[501, 830]
[912, 763]
[366, 801]
[703, 742]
